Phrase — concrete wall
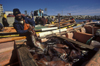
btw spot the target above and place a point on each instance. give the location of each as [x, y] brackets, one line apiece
[11, 19]
[8, 12]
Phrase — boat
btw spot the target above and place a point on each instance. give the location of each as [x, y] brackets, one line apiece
[8, 53]
[56, 51]
[11, 32]
[8, 32]
[43, 34]
[70, 33]
[84, 33]
[61, 47]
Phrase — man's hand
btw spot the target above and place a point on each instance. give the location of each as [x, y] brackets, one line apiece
[31, 29]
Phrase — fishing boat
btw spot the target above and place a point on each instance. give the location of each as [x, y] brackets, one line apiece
[69, 33]
[11, 32]
[8, 53]
[8, 32]
[84, 33]
[62, 51]
[56, 51]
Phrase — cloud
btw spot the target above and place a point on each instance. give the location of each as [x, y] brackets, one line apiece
[74, 6]
[83, 11]
[75, 10]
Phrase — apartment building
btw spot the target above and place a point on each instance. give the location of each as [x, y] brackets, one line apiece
[1, 9]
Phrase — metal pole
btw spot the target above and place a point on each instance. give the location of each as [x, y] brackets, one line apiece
[59, 23]
[62, 12]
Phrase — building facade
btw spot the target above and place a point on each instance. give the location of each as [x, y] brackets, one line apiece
[1, 9]
[8, 12]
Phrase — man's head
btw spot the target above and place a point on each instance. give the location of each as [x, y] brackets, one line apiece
[3, 13]
[17, 14]
[39, 10]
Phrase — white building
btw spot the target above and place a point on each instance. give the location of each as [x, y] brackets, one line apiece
[8, 12]
[1, 9]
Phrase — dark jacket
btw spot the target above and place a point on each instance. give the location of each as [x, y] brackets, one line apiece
[49, 20]
[43, 21]
[5, 23]
[20, 27]
[1, 26]
[37, 20]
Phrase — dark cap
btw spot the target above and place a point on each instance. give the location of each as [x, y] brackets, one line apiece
[16, 11]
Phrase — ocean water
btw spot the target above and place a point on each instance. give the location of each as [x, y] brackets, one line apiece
[84, 20]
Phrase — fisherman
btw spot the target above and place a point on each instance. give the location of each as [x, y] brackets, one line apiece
[43, 21]
[4, 20]
[22, 26]
[1, 27]
[72, 20]
[49, 20]
[32, 15]
[39, 12]
[37, 19]
[52, 18]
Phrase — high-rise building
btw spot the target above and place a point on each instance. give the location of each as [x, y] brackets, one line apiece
[1, 9]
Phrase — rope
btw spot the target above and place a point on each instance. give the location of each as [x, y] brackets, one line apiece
[88, 41]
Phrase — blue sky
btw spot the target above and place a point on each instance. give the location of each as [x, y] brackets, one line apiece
[75, 7]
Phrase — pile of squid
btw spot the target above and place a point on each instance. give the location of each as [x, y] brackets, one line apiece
[57, 52]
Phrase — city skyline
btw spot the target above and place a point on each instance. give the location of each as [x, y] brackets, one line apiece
[75, 7]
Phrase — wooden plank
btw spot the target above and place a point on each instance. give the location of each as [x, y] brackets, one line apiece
[20, 41]
[76, 42]
[11, 39]
[7, 33]
[6, 46]
[95, 61]
[25, 57]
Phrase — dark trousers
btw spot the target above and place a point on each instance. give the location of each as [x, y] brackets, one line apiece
[5, 23]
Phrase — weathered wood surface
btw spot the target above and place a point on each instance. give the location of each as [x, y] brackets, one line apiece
[24, 55]
[95, 61]
[72, 41]
[76, 42]
[7, 33]
[11, 39]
